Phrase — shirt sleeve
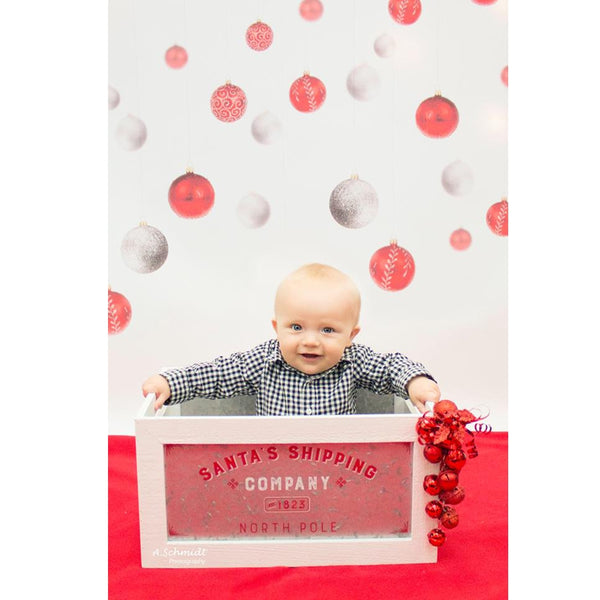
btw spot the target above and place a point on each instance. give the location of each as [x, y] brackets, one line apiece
[223, 377]
[385, 373]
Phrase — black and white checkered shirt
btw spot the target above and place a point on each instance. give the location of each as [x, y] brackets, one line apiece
[282, 390]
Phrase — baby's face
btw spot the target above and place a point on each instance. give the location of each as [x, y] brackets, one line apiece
[314, 322]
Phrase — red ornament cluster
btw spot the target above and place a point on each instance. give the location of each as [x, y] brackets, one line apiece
[443, 434]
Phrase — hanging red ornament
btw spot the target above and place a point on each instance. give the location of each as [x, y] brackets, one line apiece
[455, 459]
[119, 312]
[307, 93]
[176, 57]
[259, 36]
[434, 509]
[431, 485]
[392, 268]
[455, 496]
[484, 2]
[404, 12]
[436, 537]
[228, 103]
[447, 480]
[449, 517]
[311, 10]
[460, 239]
[432, 453]
[504, 76]
[191, 196]
[497, 218]
[437, 116]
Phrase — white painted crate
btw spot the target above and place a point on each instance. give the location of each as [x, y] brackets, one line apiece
[167, 427]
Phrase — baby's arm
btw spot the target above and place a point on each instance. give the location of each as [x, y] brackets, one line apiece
[223, 377]
[395, 373]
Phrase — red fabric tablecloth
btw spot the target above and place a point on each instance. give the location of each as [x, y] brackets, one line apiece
[472, 564]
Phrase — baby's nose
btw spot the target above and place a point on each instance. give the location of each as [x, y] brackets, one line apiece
[310, 338]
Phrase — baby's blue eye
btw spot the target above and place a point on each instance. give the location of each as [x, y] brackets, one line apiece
[296, 327]
[327, 329]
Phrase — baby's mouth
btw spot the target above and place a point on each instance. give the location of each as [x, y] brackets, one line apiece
[309, 356]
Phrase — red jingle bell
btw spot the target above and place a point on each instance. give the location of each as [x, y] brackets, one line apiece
[434, 509]
[445, 409]
[455, 496]
[436, 537]
[431, 485]
[455, 459]
[447, 480]
[432, 453]
[449, 518]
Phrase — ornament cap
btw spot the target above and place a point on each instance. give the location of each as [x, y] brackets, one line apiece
[189, 170]
[305, 73]
[354, 176]
[393, 242]
[437, 93]
[143, 224]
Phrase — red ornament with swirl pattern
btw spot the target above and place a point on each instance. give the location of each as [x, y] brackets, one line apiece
[259, 36]
[497, 218]
[119, 312]
[176, 57]
[228, 103]
[191, 196]
[404, 12]
[437, 117]
[392, 268]
[307, 93]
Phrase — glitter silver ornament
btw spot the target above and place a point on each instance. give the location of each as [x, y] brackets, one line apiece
[113, 98]
[385, 45]
[266, 128]
[131, 133]
[457, 178]
[253, 210]
[144, 249]
[353, 203]
[363, 82]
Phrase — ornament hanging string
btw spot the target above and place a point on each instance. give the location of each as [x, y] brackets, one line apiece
[186, 77]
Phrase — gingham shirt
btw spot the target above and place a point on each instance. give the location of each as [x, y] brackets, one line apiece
[282, 390]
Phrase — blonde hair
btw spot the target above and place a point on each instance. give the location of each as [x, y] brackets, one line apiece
[318, 272]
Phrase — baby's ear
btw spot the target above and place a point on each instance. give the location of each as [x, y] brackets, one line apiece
[354, 332]
[274, 323]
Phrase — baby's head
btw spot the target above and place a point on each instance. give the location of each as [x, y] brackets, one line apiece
[316, 317]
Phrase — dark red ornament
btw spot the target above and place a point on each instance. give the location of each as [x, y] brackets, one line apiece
[447, 480]
[437, 116]
[431, 485]
[432, 453]
[191, 196]
[434, 509]
[455, 496]
[436, 537]
[455, 459]
[449, 518]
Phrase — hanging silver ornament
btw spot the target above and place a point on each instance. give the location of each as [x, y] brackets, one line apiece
[266, 128]
[144, 249]
[363, 82]
[353, 203]
[253, 210]
[131, 133]
[457, 178]
[385, 45]
[113, 98]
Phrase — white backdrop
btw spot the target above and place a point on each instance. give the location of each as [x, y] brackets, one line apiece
[213, 295]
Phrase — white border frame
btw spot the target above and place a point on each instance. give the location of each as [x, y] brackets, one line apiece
[153, 431]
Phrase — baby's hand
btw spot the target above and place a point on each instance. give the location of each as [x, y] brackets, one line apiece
[158, 385]
[421, 389]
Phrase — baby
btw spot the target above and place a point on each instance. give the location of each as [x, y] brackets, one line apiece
[313, 367]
